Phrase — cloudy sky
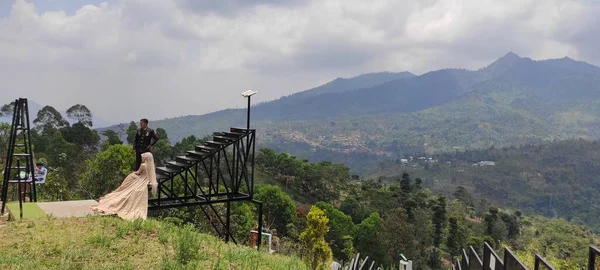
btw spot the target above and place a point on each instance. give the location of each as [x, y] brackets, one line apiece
[127, 59]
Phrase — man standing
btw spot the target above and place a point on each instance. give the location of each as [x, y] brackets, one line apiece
[145, 138]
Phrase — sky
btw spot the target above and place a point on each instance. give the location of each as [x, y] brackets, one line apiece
[128, 59]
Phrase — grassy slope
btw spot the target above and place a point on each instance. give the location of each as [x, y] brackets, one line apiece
[111, 243]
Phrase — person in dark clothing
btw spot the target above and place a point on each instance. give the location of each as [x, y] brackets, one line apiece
[145, 138]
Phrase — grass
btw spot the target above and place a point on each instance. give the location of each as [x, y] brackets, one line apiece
[111, 243]
[30, 210]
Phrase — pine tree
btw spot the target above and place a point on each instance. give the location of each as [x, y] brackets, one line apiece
[317, 252]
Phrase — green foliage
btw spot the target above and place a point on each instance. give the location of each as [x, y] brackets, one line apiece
[49, 120]
[367, 237]
[278, 207]
[354, 209]
[340, 232]
[113, 138]
[131, 131]
[81, 114]
[106, 170]
[308, 182]
[317, 252]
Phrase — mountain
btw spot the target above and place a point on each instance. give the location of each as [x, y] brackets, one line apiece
[277, 110]
[513, 100]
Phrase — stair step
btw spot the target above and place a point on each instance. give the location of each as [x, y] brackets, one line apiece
[21, 155]
[233, 135]
[186, 159]
[204, 148]
[215, 144]
[222, 139]
[20, 145]
[197, 154]
[238, 130]
[165, 170]
[177, 165]
[162, 177]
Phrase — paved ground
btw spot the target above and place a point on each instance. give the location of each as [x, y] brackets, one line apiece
[68, 208]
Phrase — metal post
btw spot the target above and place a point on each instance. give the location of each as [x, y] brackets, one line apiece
[228, 221]
[248, 115]
[19, 189]
[260, 205]
[591, 259]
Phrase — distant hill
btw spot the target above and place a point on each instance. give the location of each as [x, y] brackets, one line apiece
[513, 100]
[554, 179]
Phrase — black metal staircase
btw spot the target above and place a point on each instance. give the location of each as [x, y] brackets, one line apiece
[19, 157]
[219, 171]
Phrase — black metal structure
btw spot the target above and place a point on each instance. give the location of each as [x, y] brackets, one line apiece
[19, 157]
[220, 171]
[541, 263]
[492, 261]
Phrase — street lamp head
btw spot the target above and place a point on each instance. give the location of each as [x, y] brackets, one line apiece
[249, 93]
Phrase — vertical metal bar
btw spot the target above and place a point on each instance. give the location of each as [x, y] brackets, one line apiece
[260, 223]
[30, 150]
[591, 259]
[252, 164]
[248, 115]
[228, 221]
[19, 190]
[9, 157]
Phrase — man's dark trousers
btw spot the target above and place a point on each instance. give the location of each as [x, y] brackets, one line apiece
[138, 156]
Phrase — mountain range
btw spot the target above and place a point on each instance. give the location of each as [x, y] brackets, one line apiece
[514, 100]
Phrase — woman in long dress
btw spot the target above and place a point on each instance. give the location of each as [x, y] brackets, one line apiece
[130, 200]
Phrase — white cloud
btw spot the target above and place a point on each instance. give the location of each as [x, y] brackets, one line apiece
[128, 59]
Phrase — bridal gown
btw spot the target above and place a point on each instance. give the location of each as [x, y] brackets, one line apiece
[130, 200]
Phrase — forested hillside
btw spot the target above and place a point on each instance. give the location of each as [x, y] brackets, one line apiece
[512, 101]
[318, 211]
[558, 179]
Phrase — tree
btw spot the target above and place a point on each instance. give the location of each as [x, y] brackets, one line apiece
[81, 135]
[439, 220]
[113, 137]
[367, 238]
[317, 252]
[7, 109]
[456, 236]
[49, 120]
[162, 150]
[107, 170]
[131, 131]
[278, 207]
[398, 236]
[405, 184]
[4, 138]
[354, 209]
[340, 228]
[80, 113]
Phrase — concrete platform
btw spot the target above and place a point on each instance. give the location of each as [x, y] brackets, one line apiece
[68, 208]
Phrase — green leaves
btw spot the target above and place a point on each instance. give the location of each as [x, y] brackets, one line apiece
[317, 252]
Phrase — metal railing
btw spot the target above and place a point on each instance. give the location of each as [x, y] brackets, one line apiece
[593, 258]
[491, 261]
[511, 262]
[541, 263]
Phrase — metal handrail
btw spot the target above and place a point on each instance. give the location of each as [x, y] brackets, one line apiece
[594, 253]
[539, 260]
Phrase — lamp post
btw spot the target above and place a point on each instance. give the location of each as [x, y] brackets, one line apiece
[248, 94]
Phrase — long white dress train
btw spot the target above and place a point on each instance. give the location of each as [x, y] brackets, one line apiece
[130, 200]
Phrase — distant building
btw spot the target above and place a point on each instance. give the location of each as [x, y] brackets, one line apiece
[403, 160]
[486, 163]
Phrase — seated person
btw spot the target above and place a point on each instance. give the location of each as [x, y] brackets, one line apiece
[40, 172]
